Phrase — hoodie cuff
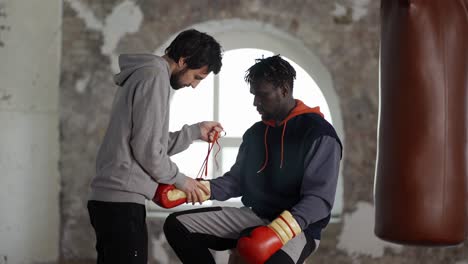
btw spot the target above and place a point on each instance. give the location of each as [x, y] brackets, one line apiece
[195, 131]
[213, 190]
[180, 180]
[300, 221]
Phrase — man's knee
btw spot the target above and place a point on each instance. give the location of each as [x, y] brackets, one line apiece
[280, 257]
[172, 226]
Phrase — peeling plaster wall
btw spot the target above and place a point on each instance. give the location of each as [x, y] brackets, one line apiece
[343, 34]
[29, 135]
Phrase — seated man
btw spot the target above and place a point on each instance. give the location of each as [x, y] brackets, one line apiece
[286, 172]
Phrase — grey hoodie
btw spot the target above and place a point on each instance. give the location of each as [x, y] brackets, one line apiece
[134, 154]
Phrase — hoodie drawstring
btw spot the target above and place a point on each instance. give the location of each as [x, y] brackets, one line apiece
[266, 150]
[299, 109]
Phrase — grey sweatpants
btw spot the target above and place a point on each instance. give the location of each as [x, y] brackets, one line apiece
[224, 225]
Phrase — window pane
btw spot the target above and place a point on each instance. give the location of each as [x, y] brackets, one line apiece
[191, 160]
[236, 110]
[306, 90]
[229, 158]
[189, 106]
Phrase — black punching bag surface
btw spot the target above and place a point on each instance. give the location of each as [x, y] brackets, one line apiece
[420, 186]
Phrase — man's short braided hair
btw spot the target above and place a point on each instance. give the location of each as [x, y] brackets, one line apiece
[274, 70]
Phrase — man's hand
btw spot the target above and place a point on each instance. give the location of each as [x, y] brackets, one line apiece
[208, 130]
[195, 190]
[168, 196]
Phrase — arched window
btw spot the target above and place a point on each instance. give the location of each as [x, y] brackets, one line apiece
[226, 97]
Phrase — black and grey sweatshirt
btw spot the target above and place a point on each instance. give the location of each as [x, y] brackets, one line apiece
[293, 166]
[134, 154]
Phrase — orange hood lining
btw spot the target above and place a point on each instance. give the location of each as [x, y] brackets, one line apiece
[299, 109]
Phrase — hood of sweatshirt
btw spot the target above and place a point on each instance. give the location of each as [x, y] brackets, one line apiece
[129, 63]
[299, 109]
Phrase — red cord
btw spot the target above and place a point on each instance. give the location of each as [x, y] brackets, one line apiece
[204, 166]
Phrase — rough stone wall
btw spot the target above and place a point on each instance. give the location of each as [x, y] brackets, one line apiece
[344, 34]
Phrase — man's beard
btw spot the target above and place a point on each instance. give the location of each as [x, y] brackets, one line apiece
[175, 80]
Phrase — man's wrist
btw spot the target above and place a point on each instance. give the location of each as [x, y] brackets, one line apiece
[180, 181]
[195, 131]
[285, 226]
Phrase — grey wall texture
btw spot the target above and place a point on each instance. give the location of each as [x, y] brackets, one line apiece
[344, 34]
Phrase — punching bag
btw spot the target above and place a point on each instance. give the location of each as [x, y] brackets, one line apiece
[420, 186]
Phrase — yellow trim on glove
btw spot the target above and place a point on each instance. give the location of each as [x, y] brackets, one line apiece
[285, 226]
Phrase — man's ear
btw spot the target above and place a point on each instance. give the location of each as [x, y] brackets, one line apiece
[181, 63]
[285, 90]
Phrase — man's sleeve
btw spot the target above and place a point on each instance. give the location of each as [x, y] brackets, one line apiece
[228, 185]
[321, 169]
[181, 140]
[150, 105]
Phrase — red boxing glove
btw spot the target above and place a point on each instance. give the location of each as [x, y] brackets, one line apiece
[264, 241]
[167, 196]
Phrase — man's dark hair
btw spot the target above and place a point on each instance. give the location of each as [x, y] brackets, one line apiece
[199, 49]
[274, 70]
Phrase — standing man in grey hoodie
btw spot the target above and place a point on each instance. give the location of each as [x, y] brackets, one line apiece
[134, 155]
